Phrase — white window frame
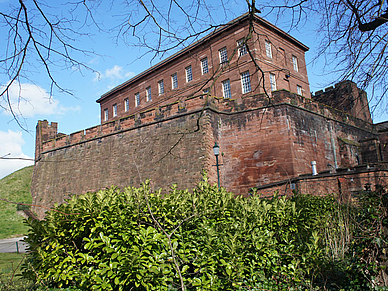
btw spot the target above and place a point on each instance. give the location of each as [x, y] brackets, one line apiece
[114, 110]
[246, 82]
[106, 114]
[148, 94]
[137, 99]
[268, 49]
[161, 87]
[204, 66]
[272, 80]
[242, 47]
[223, 52]
[295, 63]
[299, 90]
[174, 81]
[126, 104]
[189, 74]
[226, 90]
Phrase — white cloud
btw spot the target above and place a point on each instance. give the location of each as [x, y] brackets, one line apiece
[11, 147]
[28, 100]
[113, 74]
[94, 61]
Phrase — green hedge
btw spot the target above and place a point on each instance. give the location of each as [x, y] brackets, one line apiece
[206, 239]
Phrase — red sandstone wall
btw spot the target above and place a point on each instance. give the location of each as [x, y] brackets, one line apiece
[347, 97]
[44, 132]
[256, 147]
[267, 145]
[345, 185]
[167, 152]
[383, 137]
[261, 140]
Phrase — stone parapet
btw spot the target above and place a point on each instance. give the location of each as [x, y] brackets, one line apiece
[346, 182]
[198, 103]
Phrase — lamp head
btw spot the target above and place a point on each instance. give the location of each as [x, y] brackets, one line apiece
[216, 149]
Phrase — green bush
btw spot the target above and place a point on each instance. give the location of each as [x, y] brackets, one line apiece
[207, 239]
[356, 242]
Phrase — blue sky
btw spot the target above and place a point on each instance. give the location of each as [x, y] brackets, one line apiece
[116, 63]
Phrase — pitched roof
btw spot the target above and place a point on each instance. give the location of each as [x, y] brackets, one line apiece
[216, 32]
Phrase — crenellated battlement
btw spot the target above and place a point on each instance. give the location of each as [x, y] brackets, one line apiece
[347, 97]
[190, 105]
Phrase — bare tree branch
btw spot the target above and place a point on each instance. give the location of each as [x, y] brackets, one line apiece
[353, 38]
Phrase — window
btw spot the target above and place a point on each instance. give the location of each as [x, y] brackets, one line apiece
[245, 82]
[226, 89]
[148, 94]
[174, 81]
[126, 104]
[137, 99]
[161, 87]
[223, 55]
[268, 49]
[189, 74]
[283, 56]
[205, 68]
[114, 110]
[272, 80]
[295, 63]
[106, 116]
[242, 48]
[299, 90]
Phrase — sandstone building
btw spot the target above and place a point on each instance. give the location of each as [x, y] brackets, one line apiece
[244, 86]
[221, 64]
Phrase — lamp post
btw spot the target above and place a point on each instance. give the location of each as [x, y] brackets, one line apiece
[216, 151]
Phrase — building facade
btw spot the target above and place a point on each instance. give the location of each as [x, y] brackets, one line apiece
[244, 86]
[237, 60]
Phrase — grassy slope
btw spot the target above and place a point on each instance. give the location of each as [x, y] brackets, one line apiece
[9, 270]
[15, 187]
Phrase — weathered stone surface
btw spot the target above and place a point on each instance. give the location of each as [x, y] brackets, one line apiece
[279, 142]
[260, 144]
[168, 152]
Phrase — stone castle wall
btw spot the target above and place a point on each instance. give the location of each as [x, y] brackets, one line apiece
[154, 115]
[261, 140]
[168, 152]
[345, 184]
[278, 142]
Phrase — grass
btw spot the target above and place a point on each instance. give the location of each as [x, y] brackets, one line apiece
[10, 273]
[10, 279]
[10, 262]
[15, 187]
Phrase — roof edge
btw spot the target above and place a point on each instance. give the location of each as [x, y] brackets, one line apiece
[216, 32]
